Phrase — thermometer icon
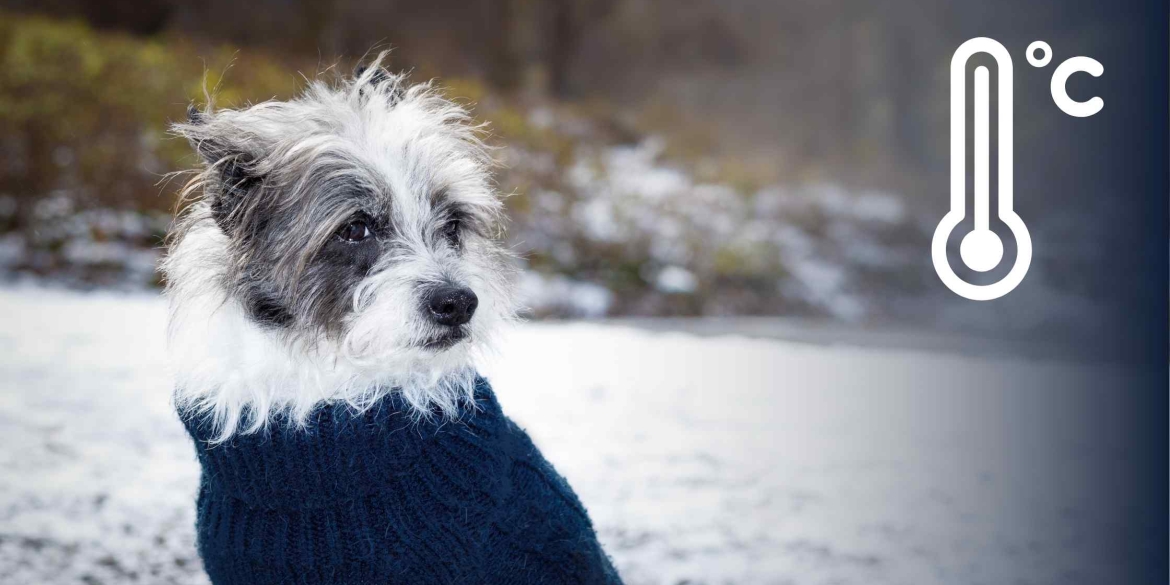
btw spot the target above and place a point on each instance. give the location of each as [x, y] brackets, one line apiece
[981, 249]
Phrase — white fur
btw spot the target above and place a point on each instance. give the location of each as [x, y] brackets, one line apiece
[243, 373]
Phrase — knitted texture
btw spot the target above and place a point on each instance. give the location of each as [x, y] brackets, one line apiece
[377, 497]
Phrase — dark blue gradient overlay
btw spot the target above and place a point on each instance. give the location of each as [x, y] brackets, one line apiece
[1108, 171]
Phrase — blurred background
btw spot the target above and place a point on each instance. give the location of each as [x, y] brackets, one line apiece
[739, 353]
[665, 158]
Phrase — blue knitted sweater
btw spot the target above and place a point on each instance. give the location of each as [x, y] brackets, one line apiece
[377, 498]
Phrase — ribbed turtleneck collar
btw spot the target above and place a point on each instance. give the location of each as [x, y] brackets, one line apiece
[340, 454]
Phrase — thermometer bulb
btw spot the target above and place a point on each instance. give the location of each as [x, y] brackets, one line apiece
[981, 250]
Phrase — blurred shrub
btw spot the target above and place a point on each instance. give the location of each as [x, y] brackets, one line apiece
[83, 119]
[84, 114]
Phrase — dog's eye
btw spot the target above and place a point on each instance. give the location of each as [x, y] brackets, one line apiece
[451, 230]
[354, 231]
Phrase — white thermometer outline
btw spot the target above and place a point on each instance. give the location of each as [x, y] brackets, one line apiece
[981, 249]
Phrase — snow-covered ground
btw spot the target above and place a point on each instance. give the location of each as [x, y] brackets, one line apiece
[702, 460]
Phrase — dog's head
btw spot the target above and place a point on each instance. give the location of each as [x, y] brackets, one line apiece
[354, 229]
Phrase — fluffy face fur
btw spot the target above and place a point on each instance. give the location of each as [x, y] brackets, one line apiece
[320, 229]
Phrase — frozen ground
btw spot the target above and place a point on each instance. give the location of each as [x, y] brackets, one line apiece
[703, 460]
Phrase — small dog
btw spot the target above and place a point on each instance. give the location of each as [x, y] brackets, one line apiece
[345, 244]
[332, 283]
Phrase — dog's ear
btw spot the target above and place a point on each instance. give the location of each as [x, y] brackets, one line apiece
[376, 76]
[194, 116]
[233, 177]
[237, 184]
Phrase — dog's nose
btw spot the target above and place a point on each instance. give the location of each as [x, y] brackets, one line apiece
[452, 305]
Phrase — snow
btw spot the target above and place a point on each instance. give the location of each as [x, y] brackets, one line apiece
[815, 241]
[676, 279]
[558, 292]
[701, 459]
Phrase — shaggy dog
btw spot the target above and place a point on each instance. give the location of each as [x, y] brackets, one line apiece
[332, 282]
